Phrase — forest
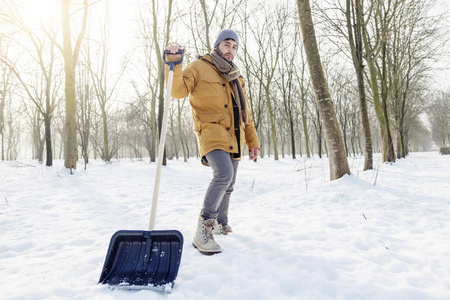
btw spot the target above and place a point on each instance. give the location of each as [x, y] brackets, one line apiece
[84, 79]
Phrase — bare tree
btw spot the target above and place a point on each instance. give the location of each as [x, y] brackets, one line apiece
[286, 86]
[416, 41]
[180, 105]
[342, 94]
[336, 149]
[155, 23]
[70, 55]
[144, 107]
[43, 89]
[104, 83]
[13, 126]
[303, 86]
[354, 16]
[85, 107]
[212, 16]
[254, 86]
[439, 116]
[159, 48]
[264, 67]
[376, 26]
[5, 97]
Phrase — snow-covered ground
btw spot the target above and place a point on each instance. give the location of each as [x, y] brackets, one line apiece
[381, 234]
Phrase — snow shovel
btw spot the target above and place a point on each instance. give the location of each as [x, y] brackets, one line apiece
[139, 259]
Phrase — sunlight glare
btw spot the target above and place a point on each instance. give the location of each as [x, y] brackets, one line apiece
[35, 12]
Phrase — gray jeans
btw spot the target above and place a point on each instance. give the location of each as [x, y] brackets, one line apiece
[217, 198]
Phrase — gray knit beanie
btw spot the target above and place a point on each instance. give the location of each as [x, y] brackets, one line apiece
[225, 35]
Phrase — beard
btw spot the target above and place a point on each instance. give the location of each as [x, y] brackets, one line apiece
[223, 55]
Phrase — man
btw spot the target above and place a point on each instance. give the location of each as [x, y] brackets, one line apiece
[222, 123]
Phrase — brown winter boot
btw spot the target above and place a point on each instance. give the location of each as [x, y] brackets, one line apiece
[221, 229]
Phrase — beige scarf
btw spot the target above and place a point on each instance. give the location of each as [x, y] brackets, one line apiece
[232, 74]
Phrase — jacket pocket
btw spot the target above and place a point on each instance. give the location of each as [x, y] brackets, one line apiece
[201, 120]
[211, 125]
[215, 118]
[213, 135]
[211, 87]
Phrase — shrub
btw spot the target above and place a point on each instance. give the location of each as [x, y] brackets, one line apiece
[444, 150]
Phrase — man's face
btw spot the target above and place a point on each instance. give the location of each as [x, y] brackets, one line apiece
[228, 48]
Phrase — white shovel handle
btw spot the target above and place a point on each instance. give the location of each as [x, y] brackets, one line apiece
[162, 142]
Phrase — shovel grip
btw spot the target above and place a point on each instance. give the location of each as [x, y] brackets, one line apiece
[172, 64]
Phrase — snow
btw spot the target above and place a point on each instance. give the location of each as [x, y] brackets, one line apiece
[379, 234]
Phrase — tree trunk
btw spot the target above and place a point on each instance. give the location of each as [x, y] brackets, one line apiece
[174, 138]
[106, 152]
[70, 60]
[335, 145]
[305, 129]
[180, 132]
[272, 124]
[386, 108]
[303, 99]
[356, 46]
[48, 142]
[292, 135]
[207, 24]
[402, 150]
[161, 64]
[2, 121]
[379, 110]
[5, 87]
[85, 115]
[70, 145]
[371, 54]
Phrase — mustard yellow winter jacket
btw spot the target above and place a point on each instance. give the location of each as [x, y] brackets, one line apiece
[212, 107]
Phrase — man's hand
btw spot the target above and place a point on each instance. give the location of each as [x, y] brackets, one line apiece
[254, 153]
[174, 49]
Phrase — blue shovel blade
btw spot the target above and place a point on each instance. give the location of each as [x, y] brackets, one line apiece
[143, 258]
